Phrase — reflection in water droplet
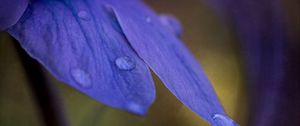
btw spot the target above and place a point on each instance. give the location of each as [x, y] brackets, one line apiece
[136, 108]
[125, 63]
[83, 15]
[171, 23]
[222, 120]
[82, 78]
[148, 19]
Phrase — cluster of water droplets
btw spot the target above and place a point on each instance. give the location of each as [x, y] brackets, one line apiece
[83, 79]
[126, 63]
[123, 63]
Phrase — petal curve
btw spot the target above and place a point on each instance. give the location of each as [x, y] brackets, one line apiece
[168, 58]
[80, 43]
[11, 11]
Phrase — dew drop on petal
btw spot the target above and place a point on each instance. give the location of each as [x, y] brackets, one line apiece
[83, 15]
[148, 19]
[222, 120]
[171, 23]
[82, 78]
[125, 63]
[136, 108]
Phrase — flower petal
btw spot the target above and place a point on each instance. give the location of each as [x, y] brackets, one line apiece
[11, 11]
[168, 58]
[81, 44]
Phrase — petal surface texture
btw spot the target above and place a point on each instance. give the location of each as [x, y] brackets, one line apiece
[168, 57]
[11, 11]
[80, 42]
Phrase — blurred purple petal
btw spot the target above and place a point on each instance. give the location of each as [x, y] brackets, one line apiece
[272, 59]
[11, 11]
[80, 42]
[168, 58]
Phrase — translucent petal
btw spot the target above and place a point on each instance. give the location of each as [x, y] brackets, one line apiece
[80, 42]
[168, 58]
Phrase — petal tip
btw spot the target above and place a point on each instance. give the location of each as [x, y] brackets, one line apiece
[222, 120]
[137, 109]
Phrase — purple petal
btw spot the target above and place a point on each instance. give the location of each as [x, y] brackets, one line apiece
[11, 11]
[81, 44]
[168, 58]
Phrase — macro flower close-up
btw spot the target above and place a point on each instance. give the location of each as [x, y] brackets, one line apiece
[135, 62]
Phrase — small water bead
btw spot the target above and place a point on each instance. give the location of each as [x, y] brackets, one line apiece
[83, 15]
[171, 23]
[82, 78]
[136, 108]
[222, 120]
[148, 19]
[125, 63]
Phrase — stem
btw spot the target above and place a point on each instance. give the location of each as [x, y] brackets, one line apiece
[45, 93]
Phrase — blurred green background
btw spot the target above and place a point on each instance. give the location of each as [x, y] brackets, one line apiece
[210, 41]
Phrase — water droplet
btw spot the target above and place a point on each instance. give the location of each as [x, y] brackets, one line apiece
[136, 108]
[83, 15]
[171, 23]
[125, 63]
[222, 120]
[148, 19]
[82, 78]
